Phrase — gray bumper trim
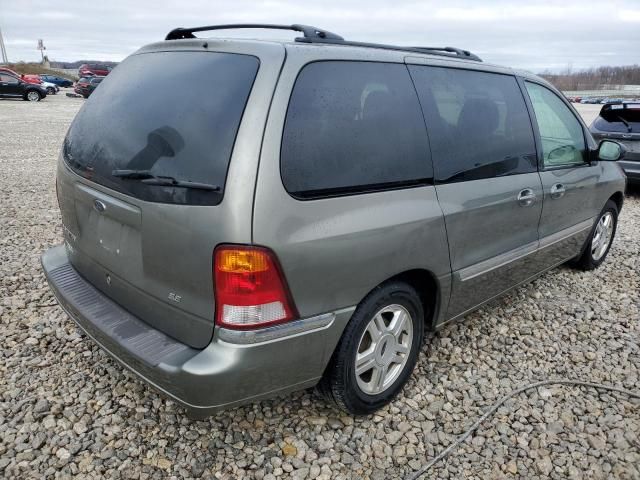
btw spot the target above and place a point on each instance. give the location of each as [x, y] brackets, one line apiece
[83, 300]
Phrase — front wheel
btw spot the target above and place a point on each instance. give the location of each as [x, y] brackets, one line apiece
[33, 96]
[51, 91]
[378, 350]
[599, 242]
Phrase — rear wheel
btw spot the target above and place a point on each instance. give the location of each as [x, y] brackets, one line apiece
[599, 242]
[51, 91]
[33, 96]
[378, 350]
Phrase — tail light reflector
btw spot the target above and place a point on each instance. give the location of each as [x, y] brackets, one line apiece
[250, 289]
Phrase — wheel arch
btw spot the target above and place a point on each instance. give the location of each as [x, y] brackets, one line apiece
[618, 199]
[426, 285]
[428, 288]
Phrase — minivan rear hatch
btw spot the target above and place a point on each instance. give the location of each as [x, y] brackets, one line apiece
[145, 182]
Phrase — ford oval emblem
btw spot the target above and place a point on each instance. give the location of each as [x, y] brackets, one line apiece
[99, 206]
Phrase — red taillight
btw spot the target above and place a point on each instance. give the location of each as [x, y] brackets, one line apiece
[250, 290]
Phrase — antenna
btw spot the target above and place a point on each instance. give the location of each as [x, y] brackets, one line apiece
[3, 51]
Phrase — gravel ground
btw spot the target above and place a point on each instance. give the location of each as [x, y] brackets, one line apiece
[66, 409]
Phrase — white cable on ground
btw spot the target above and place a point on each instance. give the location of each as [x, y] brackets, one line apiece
[497, 405]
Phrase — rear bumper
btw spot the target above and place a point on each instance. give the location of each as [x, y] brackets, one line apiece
[631, 168]
[235, 368]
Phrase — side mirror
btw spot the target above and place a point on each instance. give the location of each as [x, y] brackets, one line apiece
[610, 151]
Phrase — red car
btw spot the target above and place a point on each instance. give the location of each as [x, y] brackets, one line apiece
[94, 70]
[86, 85]
[35, 79]
[81, 85]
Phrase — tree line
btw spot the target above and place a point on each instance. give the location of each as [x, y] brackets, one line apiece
[77, 63]
[594, 78]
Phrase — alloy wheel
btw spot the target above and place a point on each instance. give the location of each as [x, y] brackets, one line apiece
[602, 236]
[383, 349]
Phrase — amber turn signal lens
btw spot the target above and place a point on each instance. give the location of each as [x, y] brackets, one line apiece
[242, 261]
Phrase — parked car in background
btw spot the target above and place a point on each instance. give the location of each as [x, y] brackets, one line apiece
[611, 100]
[621, 122]
[28, 78]
[60, 81]
[86, 85]
[12, 86]
[51, 88]
[9, 71]
[319, 208]
[94, 70]
[81, 85]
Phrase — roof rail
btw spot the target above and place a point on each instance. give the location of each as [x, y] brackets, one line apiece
[317, 35]
[452, 50]
[308, 31]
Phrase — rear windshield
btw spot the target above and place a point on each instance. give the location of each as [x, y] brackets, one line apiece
[174, 115]
[619, 118]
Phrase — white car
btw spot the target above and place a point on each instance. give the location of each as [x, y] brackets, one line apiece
[52, 88]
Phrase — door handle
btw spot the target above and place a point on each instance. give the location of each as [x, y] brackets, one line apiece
[557, 190]
[526, 197]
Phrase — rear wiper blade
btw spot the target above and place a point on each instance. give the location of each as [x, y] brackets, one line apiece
[133, 174]
[172, 182]
[625, 122]
[148, 178]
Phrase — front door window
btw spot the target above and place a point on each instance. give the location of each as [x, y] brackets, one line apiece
[560, 132]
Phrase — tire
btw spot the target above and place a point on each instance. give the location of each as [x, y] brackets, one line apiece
[32, 96]
[595, 251]
[51, 91]
[360, 394]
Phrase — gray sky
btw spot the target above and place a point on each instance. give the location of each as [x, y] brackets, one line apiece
[535, 35]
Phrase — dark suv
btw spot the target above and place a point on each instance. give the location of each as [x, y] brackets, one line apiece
[14, 87]
[621, 122]
[305, 210]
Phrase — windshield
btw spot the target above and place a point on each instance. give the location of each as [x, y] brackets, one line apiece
[624, 118]
[175, 114]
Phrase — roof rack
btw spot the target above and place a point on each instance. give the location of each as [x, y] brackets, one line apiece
[318, 35]
[308, 31]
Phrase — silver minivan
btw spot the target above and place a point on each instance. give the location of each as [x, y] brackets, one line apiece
[244, 218]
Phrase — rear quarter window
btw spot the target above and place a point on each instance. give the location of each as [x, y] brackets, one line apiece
[353, 127]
